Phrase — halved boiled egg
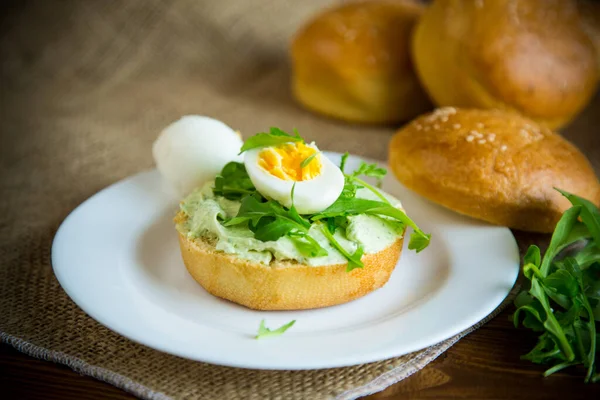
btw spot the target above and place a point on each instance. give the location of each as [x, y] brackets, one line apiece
[274, 171]
[193, 149]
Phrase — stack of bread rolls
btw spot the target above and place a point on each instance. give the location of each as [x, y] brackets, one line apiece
[367, 61]
[505, 74]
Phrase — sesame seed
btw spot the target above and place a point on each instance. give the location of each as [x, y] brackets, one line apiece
[479, 125]
[482, 141]
[503, 148]
[469, 138]
[524, 132]
[444, 119]
[491, 137]
[456, 126]
[440, 113]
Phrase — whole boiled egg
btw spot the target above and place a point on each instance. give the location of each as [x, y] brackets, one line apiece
[274, 171]
[193, 150]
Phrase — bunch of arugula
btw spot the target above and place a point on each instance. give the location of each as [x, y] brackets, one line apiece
[563, 302]
[269, 220]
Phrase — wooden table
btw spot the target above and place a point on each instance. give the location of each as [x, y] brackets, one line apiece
[483, 365]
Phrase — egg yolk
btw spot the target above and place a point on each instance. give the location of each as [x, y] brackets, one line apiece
[284, 162]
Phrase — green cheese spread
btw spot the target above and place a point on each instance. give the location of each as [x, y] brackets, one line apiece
[205, 211]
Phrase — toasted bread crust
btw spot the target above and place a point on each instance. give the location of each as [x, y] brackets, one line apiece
[284, 285]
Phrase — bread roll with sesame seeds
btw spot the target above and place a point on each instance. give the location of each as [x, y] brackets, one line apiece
[535, 57]
[492, 165]
[353, 62]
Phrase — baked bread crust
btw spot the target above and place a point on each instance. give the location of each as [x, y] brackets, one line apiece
[353, 62]
[284, 285]
[530, 56]
[492, 165]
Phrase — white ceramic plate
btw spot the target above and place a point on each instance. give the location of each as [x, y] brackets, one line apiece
[118, 258]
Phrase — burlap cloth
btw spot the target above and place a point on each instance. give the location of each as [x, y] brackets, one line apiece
[85, 88]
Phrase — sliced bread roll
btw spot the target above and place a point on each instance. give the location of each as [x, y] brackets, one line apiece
[283, 285]
[493, 165]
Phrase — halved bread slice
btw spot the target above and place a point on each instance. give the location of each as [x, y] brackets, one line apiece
[284, 285]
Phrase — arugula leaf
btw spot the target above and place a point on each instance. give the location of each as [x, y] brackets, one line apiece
[544, 350]
[233, 182]
[550, 322]
[264, 332]
[308, 159]
[573, 267]
[354, 260]
[560, 237]
[370, 170]
[275, 137]
[564, 298]
[533, 256]
[587, 256]
[562, 282]
[354, 206]
[280, 222]
[353, 182]
[532, 320]
[589, 213]
[343, 161]
[307, 245]
[274, 230]
[293, 213]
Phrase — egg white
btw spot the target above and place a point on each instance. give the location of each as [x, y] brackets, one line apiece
[310, 196]
[193, 150]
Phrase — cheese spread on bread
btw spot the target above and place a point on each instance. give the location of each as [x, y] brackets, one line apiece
[205, 211]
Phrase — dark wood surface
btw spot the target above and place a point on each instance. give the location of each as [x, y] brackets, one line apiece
[483, 365]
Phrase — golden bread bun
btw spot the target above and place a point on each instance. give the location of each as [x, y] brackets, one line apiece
[353, 63]
[284, 285]
[530, 56]
[493, 165]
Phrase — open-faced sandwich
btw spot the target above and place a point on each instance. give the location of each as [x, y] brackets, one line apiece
[288, 229]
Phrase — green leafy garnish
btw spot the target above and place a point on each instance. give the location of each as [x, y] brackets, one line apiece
[353, 182]
[270, 220]
[343, 161]
[233, 182]
[275, 137]
[308, 159]
[353, 259]
[264, 332]
[353, 206]
[563, 301]
[370, 170]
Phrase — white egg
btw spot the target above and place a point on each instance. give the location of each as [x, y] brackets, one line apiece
[310, 196]
[193, 150]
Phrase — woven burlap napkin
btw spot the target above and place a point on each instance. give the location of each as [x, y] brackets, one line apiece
[86, 87]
